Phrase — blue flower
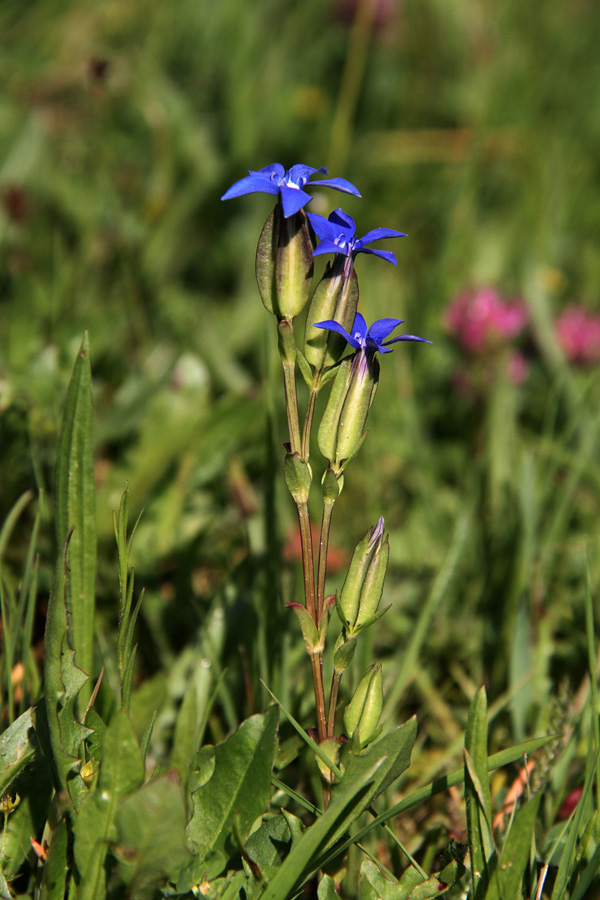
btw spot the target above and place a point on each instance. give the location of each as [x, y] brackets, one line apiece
[337, 236]
[289, 185]
[370, 339]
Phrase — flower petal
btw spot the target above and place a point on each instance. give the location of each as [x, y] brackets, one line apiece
[384, 254]
[378, 234]
[251, 184]
[343, 222]
[406, 337]
[382, 327]
[327, 246]
[292, 199]
[340, 184]
[300, 173]
[274, 169]
[359, 326]
[324, 229]
[332, 325]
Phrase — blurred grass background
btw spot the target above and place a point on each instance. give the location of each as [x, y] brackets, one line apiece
[472, 126]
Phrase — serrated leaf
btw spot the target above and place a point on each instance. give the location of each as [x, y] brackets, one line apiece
[151, 835]
[18, 746]
[76, 505]
[121, 771]
[411, 886]
[238, 790]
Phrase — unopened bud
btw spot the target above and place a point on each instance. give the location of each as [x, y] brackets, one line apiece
[363, 586]
[362, 714]
[335, 297]
[284, 263]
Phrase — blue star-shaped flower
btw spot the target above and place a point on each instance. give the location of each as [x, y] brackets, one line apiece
[370, 339]
[337, 234]
[289, 185]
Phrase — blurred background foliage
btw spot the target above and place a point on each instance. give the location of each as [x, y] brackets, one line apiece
[472, 126]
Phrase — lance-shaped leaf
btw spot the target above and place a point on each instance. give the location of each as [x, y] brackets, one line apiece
[76, 505]
[477, 790]
[60, 732]
[238, 790]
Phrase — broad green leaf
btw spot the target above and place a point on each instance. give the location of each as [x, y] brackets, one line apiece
[151, 835]
[411, 886]
[76, 506]
[392, 753]
[302, 861]
[270, 843]
[54, 879]
[326, 889]
[477, 790]
[121, 771]
[18, 746]
[32, 791]
[238, 790]
[507, 878]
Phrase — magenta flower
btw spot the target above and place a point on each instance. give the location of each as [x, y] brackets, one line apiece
[578, 333]
[481, 319]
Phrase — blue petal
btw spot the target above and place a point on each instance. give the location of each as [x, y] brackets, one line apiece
[300, 173]
[327, 246]
[407, 337]
[274, 169]
[359, 326]
[340, 184]
[382, 327]
[322, 228]
[378, 234]
[384, 254]
[251, 184]
[332, 325]
[292, 199]
[344, 221]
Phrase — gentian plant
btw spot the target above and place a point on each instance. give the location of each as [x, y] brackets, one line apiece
[284, 266]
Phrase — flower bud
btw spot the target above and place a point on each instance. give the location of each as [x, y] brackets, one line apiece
[284, 263]
[342, 428]
[362, 713]
[364, 582]
[335, 297]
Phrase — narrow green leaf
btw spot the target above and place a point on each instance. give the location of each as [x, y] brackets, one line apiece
[76, 505]
[477, 790]
[239, 787]
[184, 739]
[507, 878]
[54, 878]
[565, 869]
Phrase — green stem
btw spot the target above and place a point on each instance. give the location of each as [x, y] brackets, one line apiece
[333, 695]
[316, 660]
[291, 404]
[308, 419]
[323, 547]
